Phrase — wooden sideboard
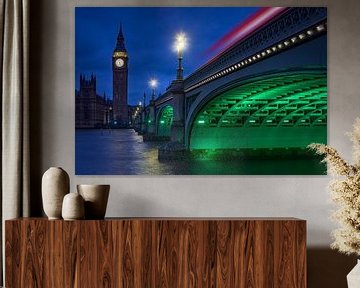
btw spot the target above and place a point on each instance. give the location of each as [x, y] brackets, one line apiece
[156, 252]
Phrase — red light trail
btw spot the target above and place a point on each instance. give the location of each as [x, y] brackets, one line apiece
[244, 29]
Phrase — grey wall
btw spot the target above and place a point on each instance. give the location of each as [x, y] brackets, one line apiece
[52, 124]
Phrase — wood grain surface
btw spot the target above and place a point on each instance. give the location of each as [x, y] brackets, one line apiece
[241, 253]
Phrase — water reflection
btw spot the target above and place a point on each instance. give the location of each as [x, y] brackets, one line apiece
[122, 152]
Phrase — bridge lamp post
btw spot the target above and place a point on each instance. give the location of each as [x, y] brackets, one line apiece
[144, 100]
[180, 45]
[153, 84]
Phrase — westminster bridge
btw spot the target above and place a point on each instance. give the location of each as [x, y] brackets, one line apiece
[268, 90]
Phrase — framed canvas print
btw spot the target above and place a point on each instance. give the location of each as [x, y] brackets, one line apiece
[200, 91]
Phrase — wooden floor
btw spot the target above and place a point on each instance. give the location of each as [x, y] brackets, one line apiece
[156, 253]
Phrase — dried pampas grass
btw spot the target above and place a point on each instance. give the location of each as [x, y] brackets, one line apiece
[345, 192]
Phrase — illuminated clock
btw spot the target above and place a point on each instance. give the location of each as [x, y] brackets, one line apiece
[119, 62]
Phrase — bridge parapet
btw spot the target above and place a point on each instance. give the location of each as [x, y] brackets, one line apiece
[291, 22]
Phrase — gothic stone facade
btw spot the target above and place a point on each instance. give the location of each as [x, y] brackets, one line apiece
[92, 110]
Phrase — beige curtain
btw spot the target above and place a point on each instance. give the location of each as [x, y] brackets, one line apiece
[14, 38]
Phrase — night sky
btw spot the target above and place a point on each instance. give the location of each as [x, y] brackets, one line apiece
[149, 36]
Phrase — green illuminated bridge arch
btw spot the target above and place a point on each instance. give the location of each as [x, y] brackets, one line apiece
[165, 121]
[280, 110]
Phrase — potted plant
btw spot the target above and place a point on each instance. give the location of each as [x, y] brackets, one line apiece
[345, 192]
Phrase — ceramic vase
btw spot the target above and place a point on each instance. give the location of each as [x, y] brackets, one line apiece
[73, 207]
[55, 185]
[353, 278]
[96, 198]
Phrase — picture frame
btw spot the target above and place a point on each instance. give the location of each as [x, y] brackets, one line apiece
[247, 102]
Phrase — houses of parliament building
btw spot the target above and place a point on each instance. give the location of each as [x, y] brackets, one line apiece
[95, 111]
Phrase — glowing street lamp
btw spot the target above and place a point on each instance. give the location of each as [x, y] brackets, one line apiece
[153, 84]
[180, 45]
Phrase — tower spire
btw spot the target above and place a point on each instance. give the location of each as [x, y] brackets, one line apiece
[120, 42]
[120, 35]
[120, 81]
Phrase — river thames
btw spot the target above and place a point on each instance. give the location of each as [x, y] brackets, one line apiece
[123, 152]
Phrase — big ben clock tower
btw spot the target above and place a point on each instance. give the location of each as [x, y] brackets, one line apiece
[120, 82]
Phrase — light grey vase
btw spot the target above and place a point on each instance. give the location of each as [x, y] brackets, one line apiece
[353, 278]
[55, 185]
[96, 198]
[73, 207]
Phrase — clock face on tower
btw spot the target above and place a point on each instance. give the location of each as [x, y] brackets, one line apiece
[119, 62]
